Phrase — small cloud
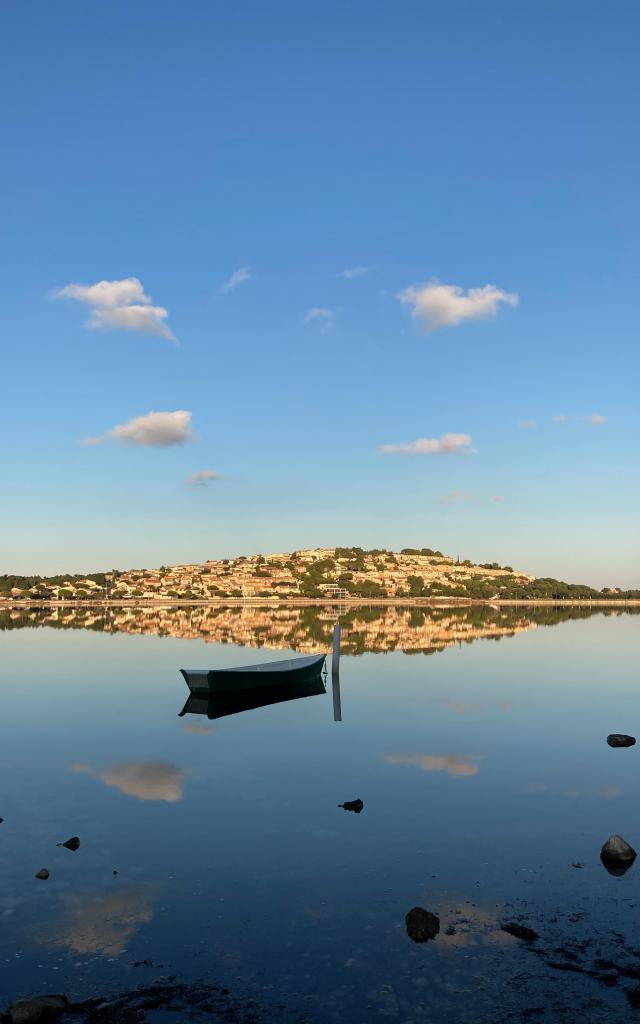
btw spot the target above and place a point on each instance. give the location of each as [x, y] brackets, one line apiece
[119, 305]
[322, 316]
[498, 497]
[597, 419]
[447, 305]
[448, 444]
[452, 764]
[352, 272]
[202, 477]
[156, 429]
[453, 496]
[144, 780]
[238, 277]
[561, 418]
[527, 424]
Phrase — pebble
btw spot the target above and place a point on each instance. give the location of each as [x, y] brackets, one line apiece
[421, 924]
[619, 739]
[352, 805]
[71, 844]
[43, 874]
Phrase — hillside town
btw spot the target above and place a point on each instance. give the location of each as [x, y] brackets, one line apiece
[333, 573]
[314, 574]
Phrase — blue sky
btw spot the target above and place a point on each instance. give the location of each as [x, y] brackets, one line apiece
[471, 144]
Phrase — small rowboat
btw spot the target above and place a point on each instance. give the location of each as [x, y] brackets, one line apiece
[251, 677]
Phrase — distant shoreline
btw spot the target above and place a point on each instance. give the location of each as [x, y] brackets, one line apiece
[311, 602]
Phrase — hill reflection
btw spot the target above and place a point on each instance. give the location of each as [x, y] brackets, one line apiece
[419, 630]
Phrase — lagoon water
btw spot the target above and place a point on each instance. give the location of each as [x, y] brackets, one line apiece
[488, 791]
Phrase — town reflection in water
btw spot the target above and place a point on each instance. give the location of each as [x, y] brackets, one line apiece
[414, 630]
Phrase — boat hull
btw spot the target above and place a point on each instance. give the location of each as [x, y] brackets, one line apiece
[285, 673]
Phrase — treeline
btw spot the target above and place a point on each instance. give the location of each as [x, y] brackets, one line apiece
[9, 582]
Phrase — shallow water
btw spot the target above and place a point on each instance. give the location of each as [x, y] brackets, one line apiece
[485, 777]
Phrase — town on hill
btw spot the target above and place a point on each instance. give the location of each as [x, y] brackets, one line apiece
[342, 573]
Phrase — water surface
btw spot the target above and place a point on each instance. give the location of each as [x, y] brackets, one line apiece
[475, 737]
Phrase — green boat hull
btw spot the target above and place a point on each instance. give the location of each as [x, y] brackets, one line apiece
[202, 683]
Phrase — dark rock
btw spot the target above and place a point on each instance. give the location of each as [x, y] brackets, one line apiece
[71, 844]
[519, 931]
[352, 805]
[618, 739]
[577, 864]
[633, 997]
[421, 924]
[43, 874]
[115, 873]
[617, 856]
[1, 820]
[38, 1008]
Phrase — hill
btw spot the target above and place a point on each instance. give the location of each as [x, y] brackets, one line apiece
[323, 573]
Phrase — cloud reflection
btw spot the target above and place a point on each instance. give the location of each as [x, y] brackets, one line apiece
[104, 924]
[452, 764]
[144, 780]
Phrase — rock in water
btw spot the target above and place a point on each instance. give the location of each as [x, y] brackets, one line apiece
[619, 739]
[71, 844]
[421, 924]
[353, 805]
[616, 855]
[38, 1008]
[43, 874]
[520, 931]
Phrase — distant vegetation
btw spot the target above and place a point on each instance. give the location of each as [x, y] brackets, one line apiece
[420, 573]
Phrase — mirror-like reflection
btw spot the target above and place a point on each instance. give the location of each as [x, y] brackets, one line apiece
[219, 705]
[419, 630]
[280, 856]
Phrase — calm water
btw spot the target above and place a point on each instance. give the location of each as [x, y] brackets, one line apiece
[484, 773]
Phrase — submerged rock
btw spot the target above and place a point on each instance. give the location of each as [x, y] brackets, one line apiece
[352, 805]
[619, 739]
[421, 924]
[38, 1008]
[519, 931]
[42, 873]
[71, 844]
[616, 855]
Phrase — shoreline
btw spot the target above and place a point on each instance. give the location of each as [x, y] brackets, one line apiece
[311, 602]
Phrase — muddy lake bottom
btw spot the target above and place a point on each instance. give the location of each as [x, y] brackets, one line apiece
[218, 879]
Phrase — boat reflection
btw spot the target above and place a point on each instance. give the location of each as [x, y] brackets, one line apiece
[219, 705]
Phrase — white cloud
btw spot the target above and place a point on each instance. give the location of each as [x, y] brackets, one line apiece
[202, 477]
[561, 418]
[119, 305]
[448, 444]
[238, 277]
[453, 496]
[446, 305]
[322, 316]
[156, 429]
[527, 424]
[597, 419]
[352, 272]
